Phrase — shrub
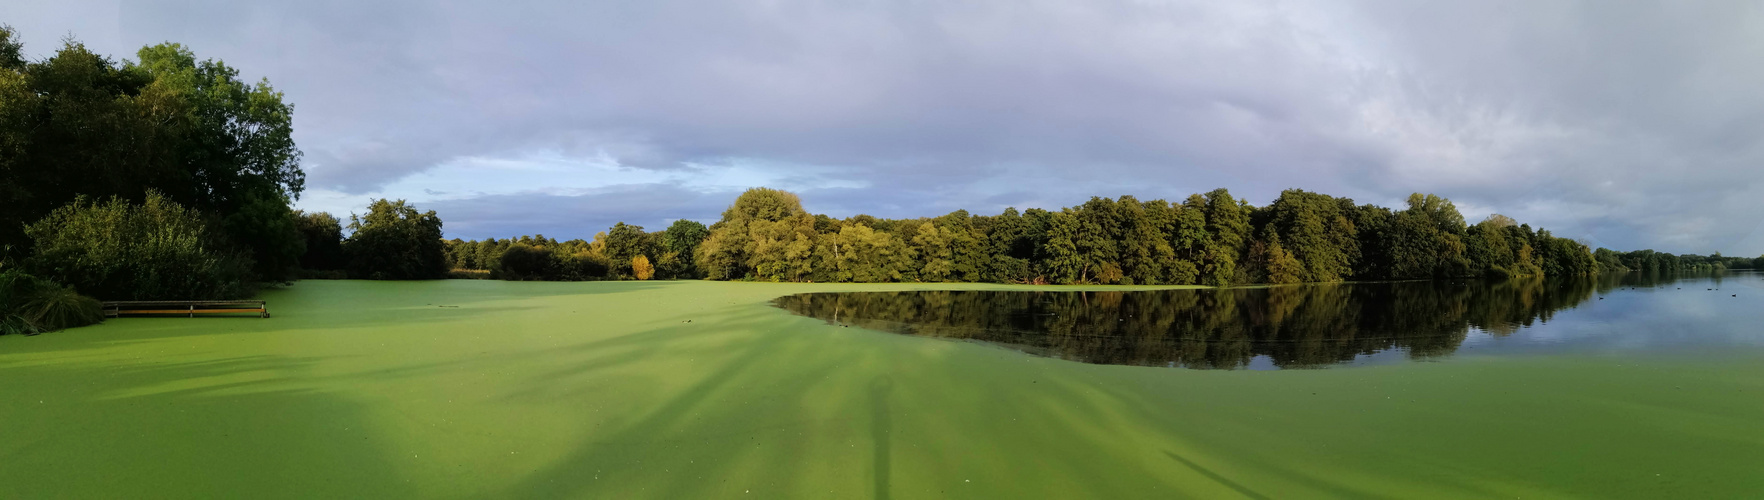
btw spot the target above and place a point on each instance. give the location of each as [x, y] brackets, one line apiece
[468, 274]
[584, 266]
[58, 307]
[521, 262]
[30, 305]
[395, 242]
[115, 250]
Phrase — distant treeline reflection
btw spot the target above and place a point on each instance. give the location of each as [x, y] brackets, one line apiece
[1295, 326]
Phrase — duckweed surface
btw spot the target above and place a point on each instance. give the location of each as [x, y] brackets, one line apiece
[468, 389]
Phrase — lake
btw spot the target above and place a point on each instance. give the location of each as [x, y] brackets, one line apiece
[1323, 325]
[698, 389]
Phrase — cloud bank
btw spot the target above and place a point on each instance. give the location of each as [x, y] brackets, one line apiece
[1630, 125]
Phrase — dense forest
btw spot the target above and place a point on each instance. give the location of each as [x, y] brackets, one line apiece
[169, 177]
[165, 177]
[1208, 239]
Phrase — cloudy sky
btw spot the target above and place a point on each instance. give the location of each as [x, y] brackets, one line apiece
[1626, 124]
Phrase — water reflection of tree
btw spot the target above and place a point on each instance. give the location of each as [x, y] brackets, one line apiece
[1295, 326]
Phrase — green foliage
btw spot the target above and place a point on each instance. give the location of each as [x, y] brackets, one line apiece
[1320, 233]
[1008, 249]
[1227, 223]
[395, 242]
[56, 308]
[1651, 262]
[207, 162]
[860, 254]
[1427, 239]
[948, 248]
[763, 204]
[11, 51]
[764, 235]
[240, 136]
[31, 305]
[625, 242]
[1274, 264]
[268, 231]
[1147, 254]
[322, 236]
[680, 242]
[1212, 238]
[1062, 259]
[1490, 246]
[1094, 241]
[1608, 261]
[584, 266]
[78, 123]
[521, 262]
[529, 258]
[115, 250]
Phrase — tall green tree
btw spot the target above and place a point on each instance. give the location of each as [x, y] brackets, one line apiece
[1060, 255]
[625, 242]
[395, 242]
[11, 51]
[1277, 265]
[238, 136]
[1097, 240]
[266, 228]
[1427, 239]
[1228, 225]
[681, 241]
[1318, 231]
[1009, 249]
[80, 124]
[765, 235]
[323, 236]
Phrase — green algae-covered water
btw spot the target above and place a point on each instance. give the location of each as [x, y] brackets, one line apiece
[468, 389]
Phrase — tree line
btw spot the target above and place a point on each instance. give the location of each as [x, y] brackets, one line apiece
[1650, 261]
[1207, 239]
[624, 251]
[169, 177]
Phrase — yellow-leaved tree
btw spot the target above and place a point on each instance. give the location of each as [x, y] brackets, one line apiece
[641, 268]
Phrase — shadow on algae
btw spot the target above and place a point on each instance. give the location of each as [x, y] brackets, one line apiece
[752, 398]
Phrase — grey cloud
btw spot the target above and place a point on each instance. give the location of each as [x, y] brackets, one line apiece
[653, 206]
[1628, 124]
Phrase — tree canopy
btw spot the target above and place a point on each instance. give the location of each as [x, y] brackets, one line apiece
[1212, 238]
[190, 131]
[395, 241]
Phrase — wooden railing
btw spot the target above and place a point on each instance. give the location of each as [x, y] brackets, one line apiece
[189, 308]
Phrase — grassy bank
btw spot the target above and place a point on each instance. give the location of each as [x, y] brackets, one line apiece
[472, 388]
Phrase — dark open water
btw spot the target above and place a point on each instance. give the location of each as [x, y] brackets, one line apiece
[1313, 326]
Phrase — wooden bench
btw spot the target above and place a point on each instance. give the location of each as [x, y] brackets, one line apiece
[190, 308]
